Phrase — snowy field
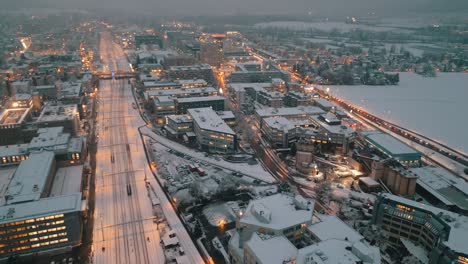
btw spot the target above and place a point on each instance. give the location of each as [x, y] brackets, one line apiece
[434, 107]
[326, 26]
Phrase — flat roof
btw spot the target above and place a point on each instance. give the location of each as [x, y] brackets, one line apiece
[328, 252]
[70, 89]
[271, 249]
[331, 227]
[58, 112]
[444, 185]
[334, 129]
[14, 116]
[6, 174]
[67, 180]
[13, 150]
[46, 206]
[30, 178]
[207, 119]
[50, 138]
[180, 118]
[242, 86]
[21, 97]
[289, 111]
[389, 144]
[190, 67]
[195, 81]
[226, 114]
[276, 212]
[181, 91]
[280, 123]
[200, 99]
[323, 102]
[369, 181]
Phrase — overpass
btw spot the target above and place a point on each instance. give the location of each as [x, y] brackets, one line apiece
[115, 75]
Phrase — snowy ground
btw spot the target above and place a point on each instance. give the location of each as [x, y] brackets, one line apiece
[220, 213]
[327, 26]
[434, 107]
[254, 171]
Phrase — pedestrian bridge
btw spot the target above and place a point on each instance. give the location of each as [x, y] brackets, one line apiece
[115, 75]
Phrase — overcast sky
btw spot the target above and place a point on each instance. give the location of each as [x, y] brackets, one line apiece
[220, 7]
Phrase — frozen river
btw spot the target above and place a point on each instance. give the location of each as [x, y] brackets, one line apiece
[435, 107]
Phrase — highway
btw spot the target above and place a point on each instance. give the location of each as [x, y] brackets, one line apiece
[124, 231]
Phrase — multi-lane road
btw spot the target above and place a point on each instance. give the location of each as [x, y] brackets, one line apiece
[124, 231]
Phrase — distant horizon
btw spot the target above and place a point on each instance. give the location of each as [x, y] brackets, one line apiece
[194, 8]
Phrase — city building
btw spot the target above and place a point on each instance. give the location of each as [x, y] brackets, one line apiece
[199, 71]
[271, 99]
[228, 117]
[279, 131]
[295, 99]
[46, 91]
[283, 228]
[398, 179]
[21, 100]
[217, 103]
[178, 126]
[337, 133]
[442, 188]
[67, 149]
[36, 215]
[20, 86]
[288, 112]
[70, 93]
[12, 122]
[148, 40]
[182, 92]
[213, 134]
[439, 234]
[245, 94]
[211, 49]
[324, 104]
[65, 116]
[393, 148]
[255, 72]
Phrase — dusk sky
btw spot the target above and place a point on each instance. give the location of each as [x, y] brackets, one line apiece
[219, 7]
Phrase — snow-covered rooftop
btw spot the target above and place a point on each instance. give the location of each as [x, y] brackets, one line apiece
[444, 185]
[181, 92]
[13, 116]
[47, 206]
[67, 180]
[238, 87]
[331, 251]
[226, 114]
[289, 111]
[393, 146]
[30, 178]
[58, 112]
[200, 99]
[331, 227]
[279, 123]
[179, 118]
[277, 212]
[323, 102]
[207, 119]
[271, 249]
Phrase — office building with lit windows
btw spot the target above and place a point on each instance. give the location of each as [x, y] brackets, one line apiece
[212, 133]
[12, 123]
[35, 217]
[67, 149]
[440, 234]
